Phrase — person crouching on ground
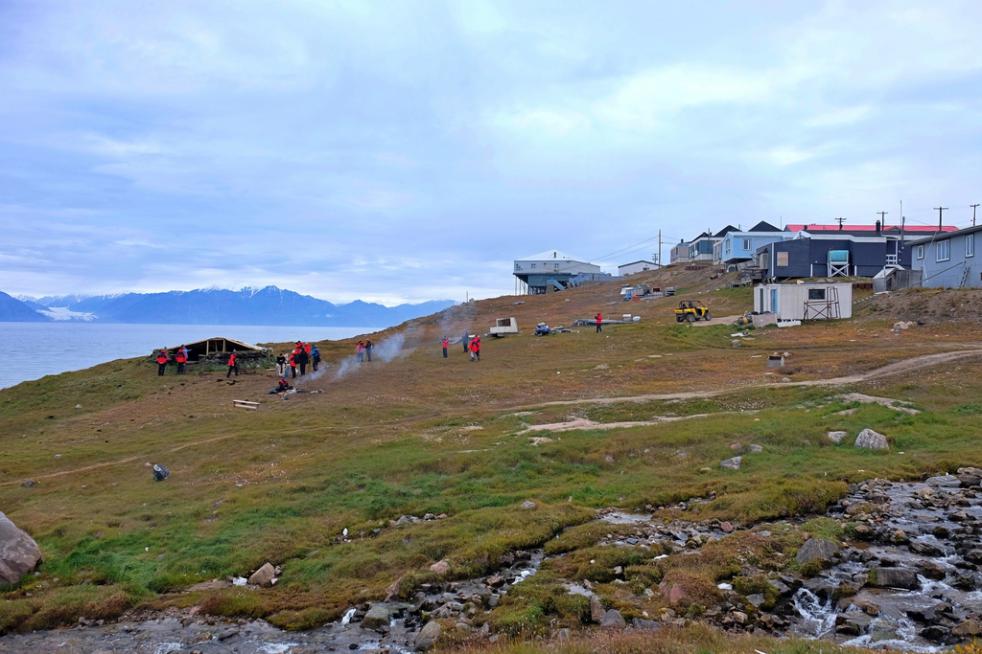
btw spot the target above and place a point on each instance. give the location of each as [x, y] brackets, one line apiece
[233, 365]
[162, 360]
[281, 386]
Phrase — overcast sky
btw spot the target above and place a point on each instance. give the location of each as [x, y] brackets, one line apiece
[403, 151]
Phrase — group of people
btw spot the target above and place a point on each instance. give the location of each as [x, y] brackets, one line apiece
[472, 346]
[363, 351]
[303, 354]
[180, 358]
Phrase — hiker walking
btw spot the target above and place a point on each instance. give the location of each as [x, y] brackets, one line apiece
[445, 343]
[464, 341]
[315, 357]
[233, 365]
[162, 359]
[281, 365]
[181, 358]
[600, 322]
[475, 346]
[369, 346]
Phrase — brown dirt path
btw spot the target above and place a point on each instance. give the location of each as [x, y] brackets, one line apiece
[906, 365]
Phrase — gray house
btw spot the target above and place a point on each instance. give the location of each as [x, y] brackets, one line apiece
[948, 260]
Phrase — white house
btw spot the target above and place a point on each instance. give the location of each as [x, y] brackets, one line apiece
[553, 271]
[805, 300]
[635, 267]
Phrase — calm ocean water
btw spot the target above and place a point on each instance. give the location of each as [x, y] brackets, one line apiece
[33, 350]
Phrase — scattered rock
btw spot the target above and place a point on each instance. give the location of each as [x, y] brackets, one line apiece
[28, 483]
[613, 620]
[836, 436]
[755, 449]
[726, 526]
[264, 576]
[968, 628]
[440, 568]
[816, 550]
[731, 464]
[377, 617]
[528, 505]
[428, 635]
[974, 555]
[893, 578]
[935, 633]
[872, 440]
[19, 554]
[597, 612]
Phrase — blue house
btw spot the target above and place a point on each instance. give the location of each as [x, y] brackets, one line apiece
[741, 246]
[837, 254]
[948, 260]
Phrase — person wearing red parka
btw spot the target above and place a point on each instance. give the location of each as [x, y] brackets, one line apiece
[233, 365]
[162, 360]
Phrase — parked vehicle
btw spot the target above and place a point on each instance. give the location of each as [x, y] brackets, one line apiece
[690, 311]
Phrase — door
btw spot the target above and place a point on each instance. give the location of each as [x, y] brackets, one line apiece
[774, 308]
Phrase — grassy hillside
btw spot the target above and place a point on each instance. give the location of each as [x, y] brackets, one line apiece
[421, 434]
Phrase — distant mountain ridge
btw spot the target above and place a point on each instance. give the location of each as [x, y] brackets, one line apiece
[249, 306]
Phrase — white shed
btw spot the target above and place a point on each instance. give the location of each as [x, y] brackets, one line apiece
[805, 300]
[635, 267]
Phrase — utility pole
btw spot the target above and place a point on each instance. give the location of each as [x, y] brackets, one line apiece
[658, 258]
[974, 207]
[940, 211]
[883, 219]
[840, 220]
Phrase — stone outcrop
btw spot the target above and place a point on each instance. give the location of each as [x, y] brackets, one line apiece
[19, 554]
[872, 440]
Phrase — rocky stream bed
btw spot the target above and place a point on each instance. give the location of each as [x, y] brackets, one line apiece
[906, 576]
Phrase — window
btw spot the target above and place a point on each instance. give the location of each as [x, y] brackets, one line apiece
[782, 259]
[533, 266]
[942, 250]
[920, 251]
[970, 245]
[816, 294]
[746, 244]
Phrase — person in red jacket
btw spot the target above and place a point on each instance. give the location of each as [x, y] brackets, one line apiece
[445, 343]
[233, 365]
[475, 346]
[162, 360]
[293, 364]
[600, 322]
[181, 358]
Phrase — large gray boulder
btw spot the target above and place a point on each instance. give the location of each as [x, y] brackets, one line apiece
[894, 578]
[731, 464]
[19, 554]
[872, 440]
[816, 551]
[377, 617]
[427, 636]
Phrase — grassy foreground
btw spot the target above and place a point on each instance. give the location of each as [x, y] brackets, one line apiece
[421, 434]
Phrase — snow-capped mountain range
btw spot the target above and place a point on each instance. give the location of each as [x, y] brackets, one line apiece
[248, 306]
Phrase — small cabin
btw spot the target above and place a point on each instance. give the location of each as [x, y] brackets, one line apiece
[804, 300]
[504, 326]
[219, 348]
